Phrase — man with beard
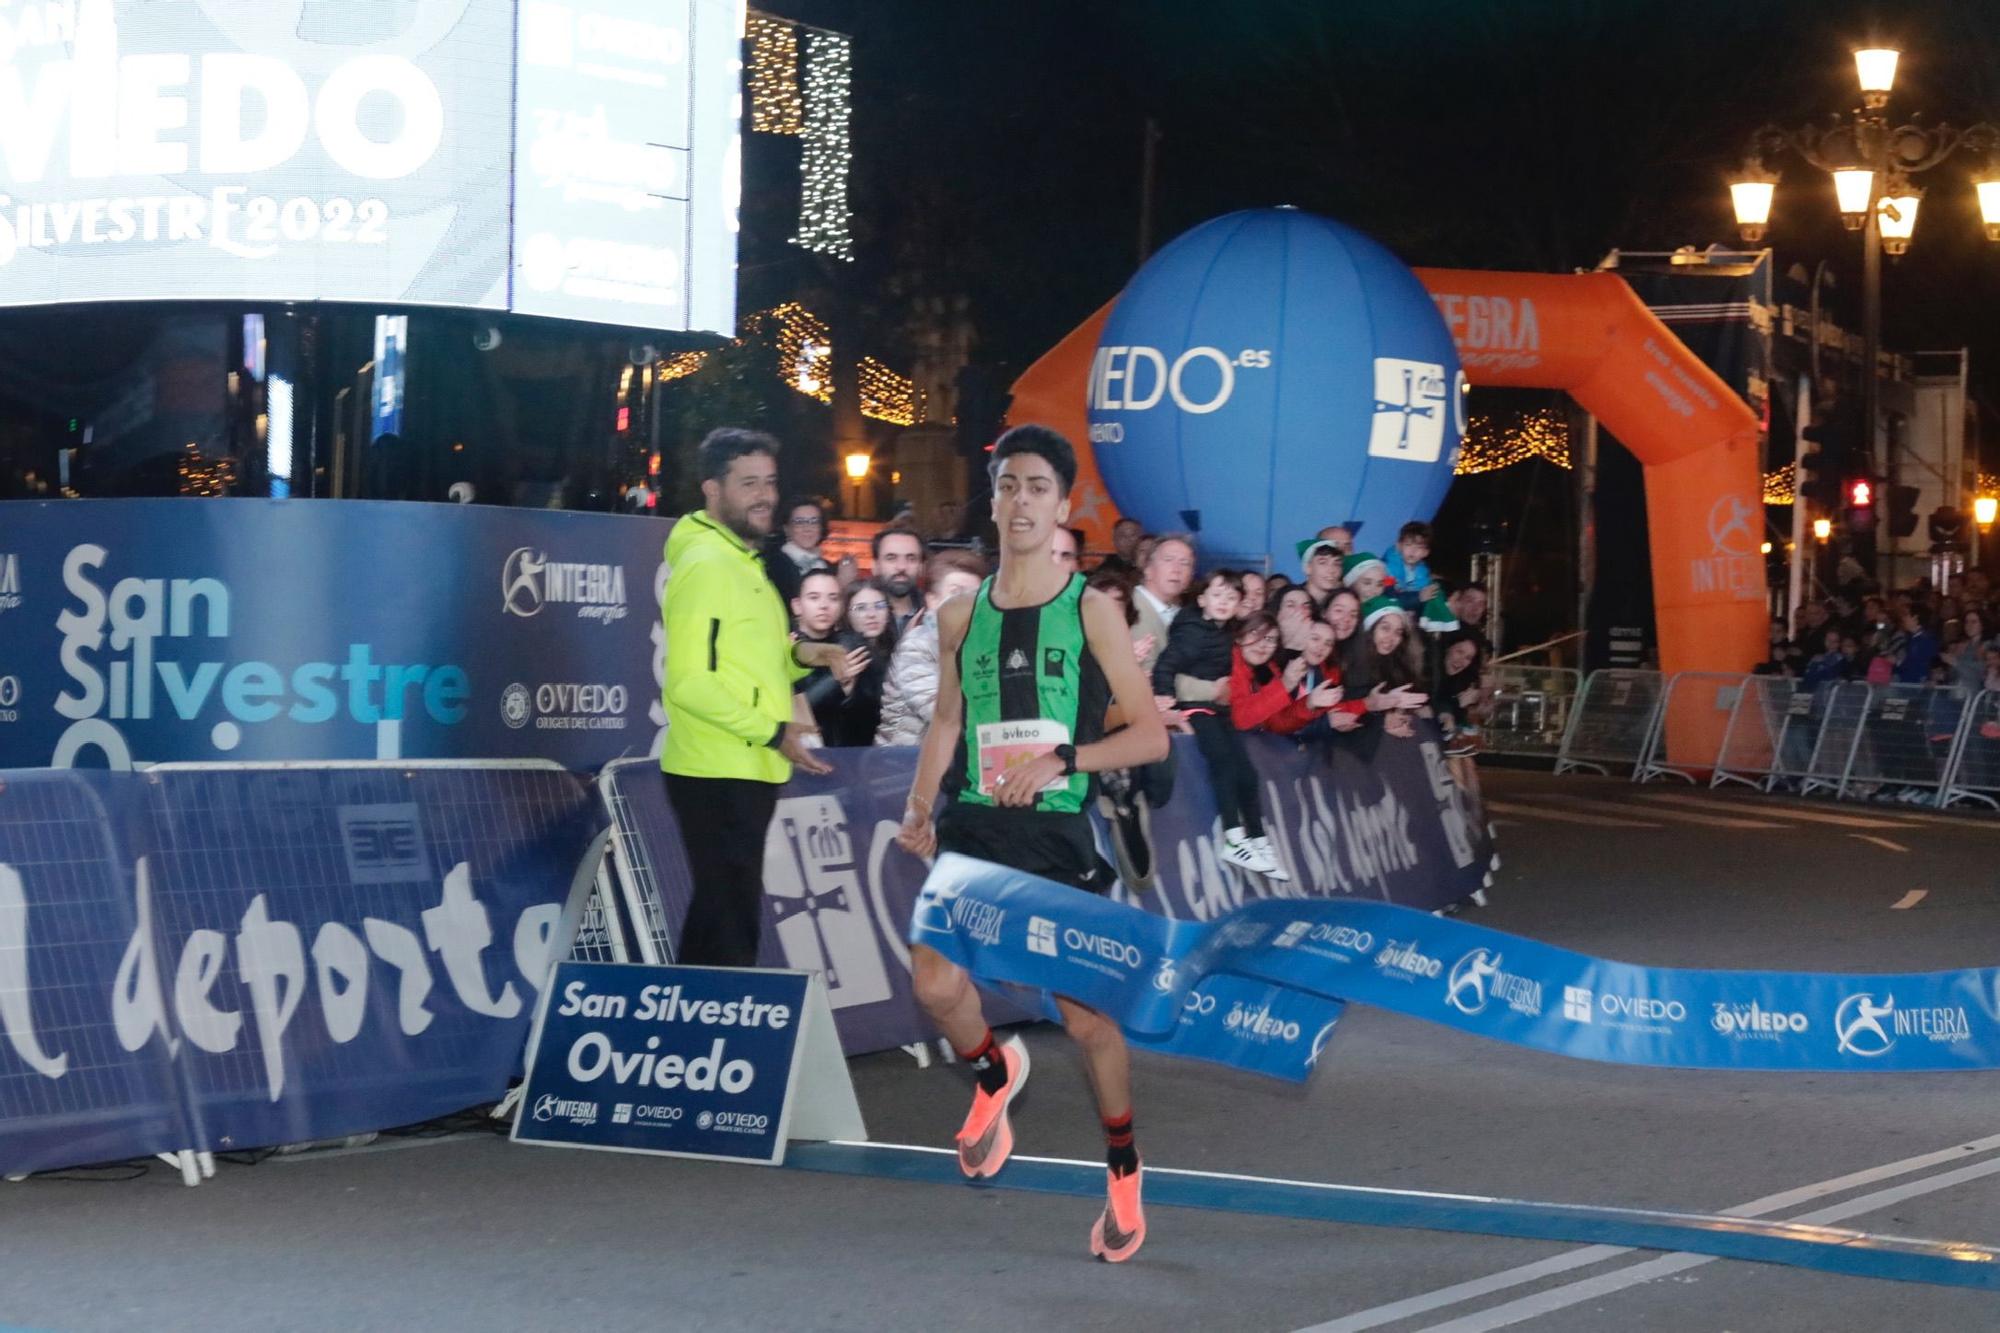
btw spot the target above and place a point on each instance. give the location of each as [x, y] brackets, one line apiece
[899, 560]
[735, 727]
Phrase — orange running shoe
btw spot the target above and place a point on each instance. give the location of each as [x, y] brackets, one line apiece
[987, 1136]
[1121, 1228]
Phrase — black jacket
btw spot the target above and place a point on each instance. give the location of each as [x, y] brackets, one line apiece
[1196, 647]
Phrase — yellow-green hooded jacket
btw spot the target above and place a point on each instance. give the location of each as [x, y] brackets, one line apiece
[729, 658]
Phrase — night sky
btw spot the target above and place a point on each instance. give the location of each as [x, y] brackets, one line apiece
[997, 146]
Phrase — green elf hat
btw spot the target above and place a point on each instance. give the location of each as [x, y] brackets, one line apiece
[1436, 617]
[1361, 562]
[1378, 607]
[1312, 546]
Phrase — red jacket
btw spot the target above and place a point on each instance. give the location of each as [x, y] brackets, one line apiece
[1272, 707]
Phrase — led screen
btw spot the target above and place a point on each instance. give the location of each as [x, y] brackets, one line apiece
[574, 158]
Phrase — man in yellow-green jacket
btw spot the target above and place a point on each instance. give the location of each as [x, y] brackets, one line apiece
[734, 732]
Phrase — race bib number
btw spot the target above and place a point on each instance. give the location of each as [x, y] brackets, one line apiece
[1005, 745]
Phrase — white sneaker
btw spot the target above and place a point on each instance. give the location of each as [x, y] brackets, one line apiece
[1237, 851]
[1267, 861]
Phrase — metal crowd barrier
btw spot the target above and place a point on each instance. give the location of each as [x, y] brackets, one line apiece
[1770, 736]
[1928, 744]
[1974, 771]
[1531, 709]
[1905, 742]
[1612, 722]
[1691, 726]
[1839, 737]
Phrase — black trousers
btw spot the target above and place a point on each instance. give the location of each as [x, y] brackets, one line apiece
[1230, 772]
[723, 822]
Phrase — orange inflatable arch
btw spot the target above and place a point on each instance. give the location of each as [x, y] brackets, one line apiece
[1589, 335]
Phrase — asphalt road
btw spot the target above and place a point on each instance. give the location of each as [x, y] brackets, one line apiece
[476, 1233]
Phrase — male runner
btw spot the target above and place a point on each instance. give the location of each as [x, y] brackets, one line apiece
[1037, 653]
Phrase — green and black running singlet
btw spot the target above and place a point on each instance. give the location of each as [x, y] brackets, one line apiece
[1030, 684]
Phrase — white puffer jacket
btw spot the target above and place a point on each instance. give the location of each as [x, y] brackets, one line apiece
[909, 691]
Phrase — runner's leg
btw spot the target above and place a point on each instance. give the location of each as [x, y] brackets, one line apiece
[1105, 1056]
[948, 996]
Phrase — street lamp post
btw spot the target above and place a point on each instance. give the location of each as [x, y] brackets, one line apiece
[857, 472]
[1871, 163]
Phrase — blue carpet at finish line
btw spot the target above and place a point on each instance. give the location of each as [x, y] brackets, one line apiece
[1828, 1249]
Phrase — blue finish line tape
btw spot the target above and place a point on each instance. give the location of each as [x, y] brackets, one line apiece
[1261, 987]
[1795, 1245]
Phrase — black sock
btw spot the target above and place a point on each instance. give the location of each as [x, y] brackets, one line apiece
[1120, 1153]
[987, 1064]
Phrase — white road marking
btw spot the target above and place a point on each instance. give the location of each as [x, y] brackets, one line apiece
[1889, 843]
[1566, 816]
[1713, 819]
[1561, 1298]
[1775, 811]
[1909, 900]
[1460, 1292]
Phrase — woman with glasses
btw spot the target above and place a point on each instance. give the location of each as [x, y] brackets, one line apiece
[866, 623]
[1267, 696]
[798, 554]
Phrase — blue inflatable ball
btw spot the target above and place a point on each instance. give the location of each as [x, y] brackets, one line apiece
[1269, 373]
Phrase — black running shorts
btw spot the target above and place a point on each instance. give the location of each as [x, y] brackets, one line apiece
[1052, 845]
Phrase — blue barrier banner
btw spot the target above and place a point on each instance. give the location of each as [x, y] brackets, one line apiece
[71, 1090]
[684, 1061]
[1378, 819]
[148, 631]
[1004, 926]
[224, 959]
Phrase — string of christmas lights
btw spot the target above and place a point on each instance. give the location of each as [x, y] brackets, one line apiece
[805, 352]
[1778, 485]
[1492, 443]
[805, 347]
[678, 365]
[825, 156]
[775, 104]
[204, 476]
[887, 396]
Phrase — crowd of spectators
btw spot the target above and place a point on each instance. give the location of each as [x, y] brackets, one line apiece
[1356, 644]
[1912, 637]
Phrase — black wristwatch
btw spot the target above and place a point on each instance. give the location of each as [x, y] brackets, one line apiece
[1066, 753]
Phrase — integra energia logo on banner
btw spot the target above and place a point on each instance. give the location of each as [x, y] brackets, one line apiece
[1863, 1027]
[1477, 980]
[10, 581]
[144, 649]
[549, 1107]
[529, 581]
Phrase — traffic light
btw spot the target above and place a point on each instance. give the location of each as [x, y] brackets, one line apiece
[1819, 467]
[1833, 436]
[1947, 528]
[1860, 497]
[1902, 510]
